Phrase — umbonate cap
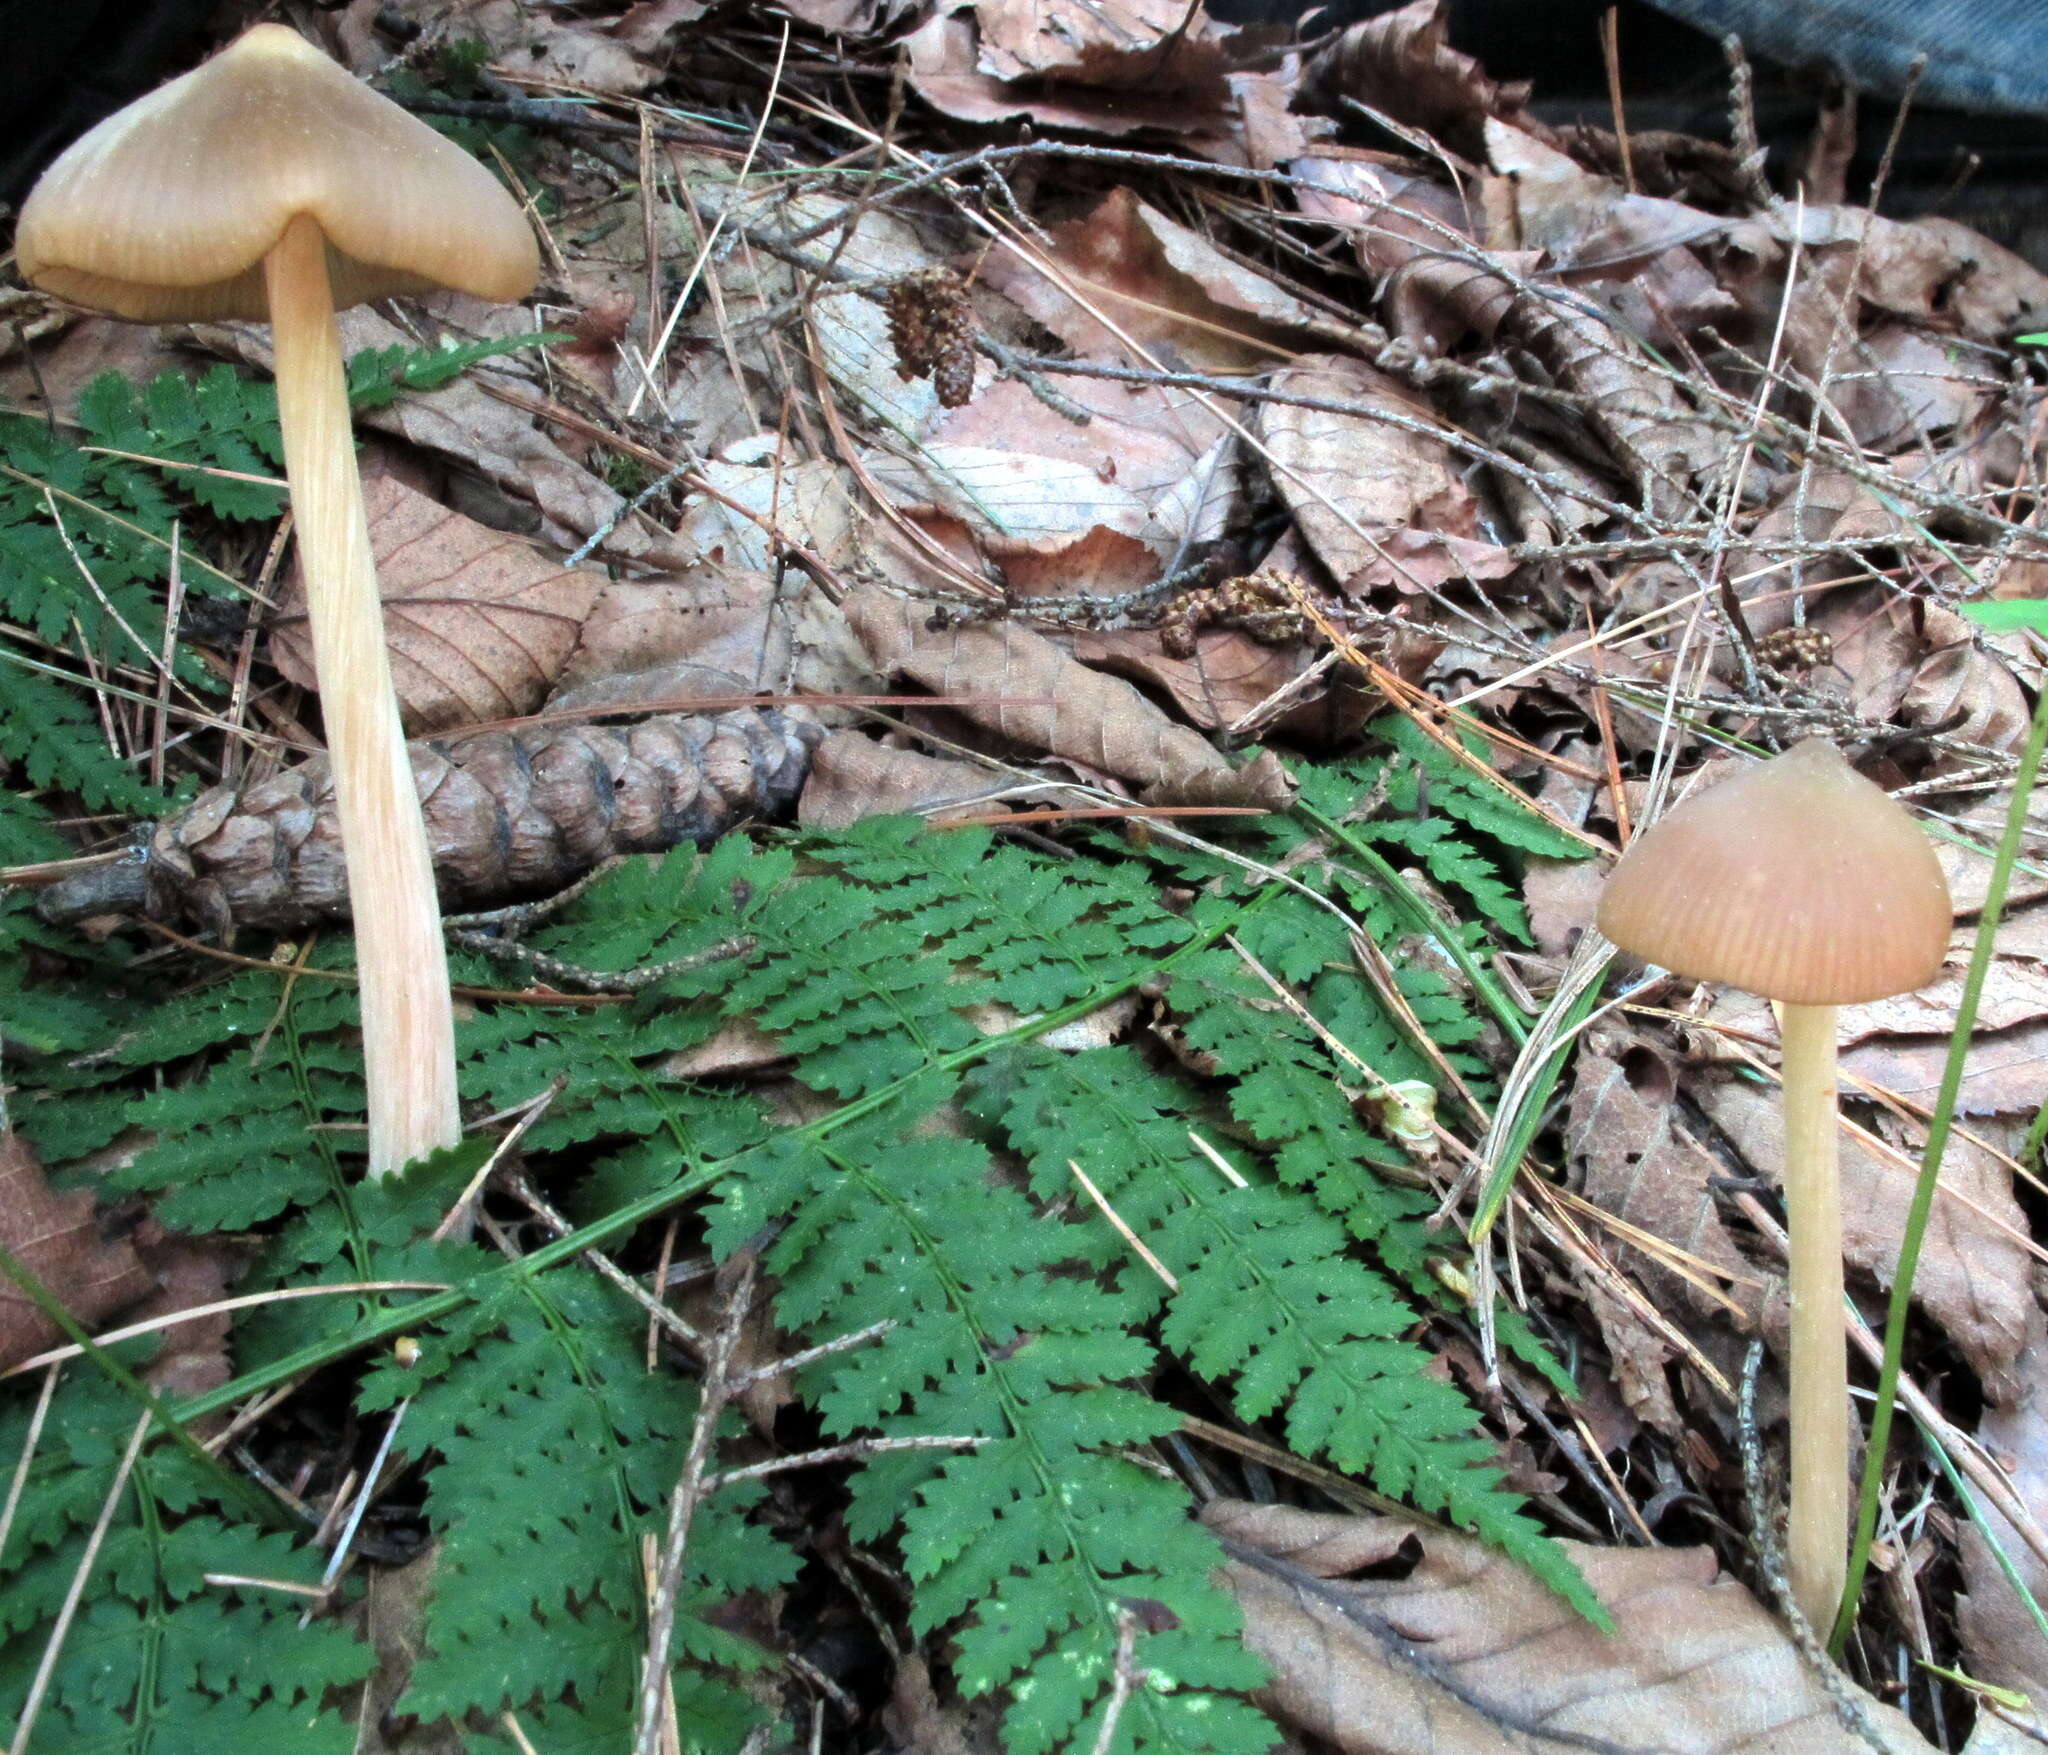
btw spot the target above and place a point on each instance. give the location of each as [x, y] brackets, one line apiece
[1798, 880]
[165, 211]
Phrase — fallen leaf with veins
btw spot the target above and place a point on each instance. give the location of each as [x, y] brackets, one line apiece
[853, 777]
[1116, 70]
[1033, 504]
[1021, 685]
[2001, 1642]
[1159, 284]
[479, 624]
[1380, 503]
[1120, 44]
[57, 1238]
[1402, 63]
[1635, 1159]
[1975, 1272]
[1228, 674]
[1466, 1652]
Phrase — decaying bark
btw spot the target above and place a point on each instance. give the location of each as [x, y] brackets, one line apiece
[508, 814]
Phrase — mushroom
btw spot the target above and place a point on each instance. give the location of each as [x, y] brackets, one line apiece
[1803, 882]
[269, 182]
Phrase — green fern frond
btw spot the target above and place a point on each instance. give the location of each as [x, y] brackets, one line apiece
[883, 962]
[1266, 1299]
[1028, 1544]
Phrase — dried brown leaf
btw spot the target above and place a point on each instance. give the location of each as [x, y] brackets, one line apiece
[1402, 63]
[57, 1238]
[1117, 70]
[1974, 1270]
[1160, 284]
[1636, 1160]
[505, 443]
[1381, 505]
[2001, 1642]
[854, 777]
[1468, 1653]
[1225, 677]
[1022, 686]
[542, 46]
[478, 623]
[1121, 44]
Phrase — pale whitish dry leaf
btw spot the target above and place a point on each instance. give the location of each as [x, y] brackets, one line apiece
[1468, 1653]
[1041, 504]
[804, 503]
[1156, 282]
[1144, 439]
[753, 317]
[1022, 686]
[1974, 1275]
[478, 623]
[1380, 505]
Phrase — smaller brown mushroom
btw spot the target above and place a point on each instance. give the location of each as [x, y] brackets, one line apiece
[269, 183]
[1803, 882]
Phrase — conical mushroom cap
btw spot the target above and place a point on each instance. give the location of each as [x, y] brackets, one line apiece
[1798, 880]
[165, 211]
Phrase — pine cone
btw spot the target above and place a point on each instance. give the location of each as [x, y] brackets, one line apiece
[508, 814]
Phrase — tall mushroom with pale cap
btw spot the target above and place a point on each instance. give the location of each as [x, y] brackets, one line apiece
[270, 183]
[1803, 882]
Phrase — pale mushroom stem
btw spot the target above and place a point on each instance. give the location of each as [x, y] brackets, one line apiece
[408, 1026]
[1817, 1534]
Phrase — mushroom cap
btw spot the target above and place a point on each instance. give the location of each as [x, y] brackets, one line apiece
[165, 211]
[1798, 880]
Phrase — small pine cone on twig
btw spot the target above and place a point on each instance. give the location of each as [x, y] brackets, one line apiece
[931, 327]
[509, 813]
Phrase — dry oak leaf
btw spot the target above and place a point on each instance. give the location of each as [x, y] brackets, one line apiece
[1402, 63]
[2001, 1642]
[1380, 504]
[1022, 686]
[1635, 1160]
[853, 777]
[501, 440]
[1974, 1276]
[1114, 95]
[1121, 44]
[57, 1238]
[478, 623]
[1155, 282]
[1468, 1653]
